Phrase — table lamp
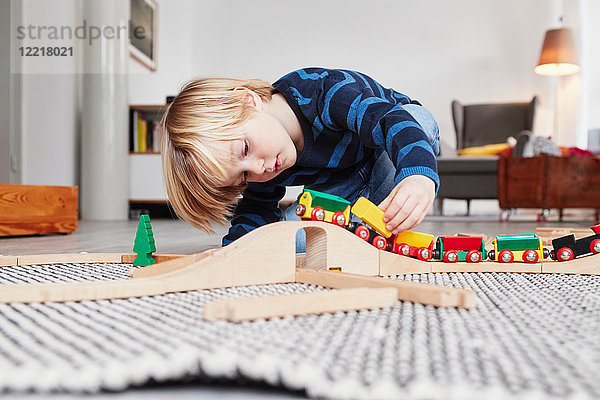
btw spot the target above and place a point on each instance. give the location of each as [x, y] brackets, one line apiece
[558, 57]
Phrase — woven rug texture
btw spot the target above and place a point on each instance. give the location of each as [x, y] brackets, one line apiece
[531, 336]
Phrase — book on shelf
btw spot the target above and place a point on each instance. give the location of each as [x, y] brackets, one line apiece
[144, 131]
[156, 136]
[133, 118]
[141, 135]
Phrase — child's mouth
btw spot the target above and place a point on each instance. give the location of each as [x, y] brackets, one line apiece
[277, 166]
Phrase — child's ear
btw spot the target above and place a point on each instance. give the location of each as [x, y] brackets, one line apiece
[250, 97]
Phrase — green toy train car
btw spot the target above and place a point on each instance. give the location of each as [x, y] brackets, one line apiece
[318, 206]
[527, 248]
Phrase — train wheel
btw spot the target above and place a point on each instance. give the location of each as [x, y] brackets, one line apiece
[404, 249]
[595, 246]
[317, 214]
[423, 254]
[565, 254]
[530, 256]
[380, 242]
[473, 256]
[339, 219]
[451, 256]
[300, 210]
[362, 232]
[506, 256]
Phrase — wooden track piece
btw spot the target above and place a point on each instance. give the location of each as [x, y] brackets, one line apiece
[239, 264]
[440, 296]
[208, 273]
[159, 258]
[588, 265]
[395, 264]
[69, 258]
[251, 308]
[327, 246]
[485, 266]
[164, 267]
[8, 261]
[96, 290]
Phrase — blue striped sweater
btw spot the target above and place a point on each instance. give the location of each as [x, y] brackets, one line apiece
[344, 115]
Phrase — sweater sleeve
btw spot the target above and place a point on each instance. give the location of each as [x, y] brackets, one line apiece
[356, 103]
[258, 206]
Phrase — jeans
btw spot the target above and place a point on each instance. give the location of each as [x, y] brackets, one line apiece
[375, 184]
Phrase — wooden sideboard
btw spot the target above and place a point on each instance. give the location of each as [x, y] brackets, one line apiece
[548, 182]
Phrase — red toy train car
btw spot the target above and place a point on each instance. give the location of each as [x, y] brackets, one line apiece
[452, 249]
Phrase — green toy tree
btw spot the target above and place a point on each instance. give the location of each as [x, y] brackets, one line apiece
[144, 243]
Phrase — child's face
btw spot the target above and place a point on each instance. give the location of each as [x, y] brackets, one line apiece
[261, 155]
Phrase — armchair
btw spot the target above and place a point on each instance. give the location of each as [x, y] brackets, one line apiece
[481, 124]
[469, 178]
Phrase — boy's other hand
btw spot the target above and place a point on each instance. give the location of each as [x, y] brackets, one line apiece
[408, 203]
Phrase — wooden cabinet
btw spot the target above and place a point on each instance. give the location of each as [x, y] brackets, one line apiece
[35, 210]
[549, 182]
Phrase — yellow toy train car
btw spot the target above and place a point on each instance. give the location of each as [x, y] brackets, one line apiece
[371, 214]
[413, 244]
[407, 243]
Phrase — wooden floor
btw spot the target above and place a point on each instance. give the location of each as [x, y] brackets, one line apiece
[178, 237]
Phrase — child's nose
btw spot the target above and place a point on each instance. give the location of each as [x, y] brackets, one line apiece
[259, 166]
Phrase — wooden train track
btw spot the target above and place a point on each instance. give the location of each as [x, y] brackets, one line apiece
[267, 255]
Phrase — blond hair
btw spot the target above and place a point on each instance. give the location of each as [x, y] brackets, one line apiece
[205, 111]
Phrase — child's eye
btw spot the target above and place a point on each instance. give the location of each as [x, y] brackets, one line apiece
[245, 148]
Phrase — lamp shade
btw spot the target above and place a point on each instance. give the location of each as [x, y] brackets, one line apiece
[558, 56]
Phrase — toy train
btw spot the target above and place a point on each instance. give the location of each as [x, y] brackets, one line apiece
[528, 248]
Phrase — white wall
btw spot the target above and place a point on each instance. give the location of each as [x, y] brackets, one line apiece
[592, 58]
[49, 122]
[5, 90]
[432, 50]
[175, 47]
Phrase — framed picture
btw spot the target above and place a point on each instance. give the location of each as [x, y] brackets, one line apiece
[144, 32]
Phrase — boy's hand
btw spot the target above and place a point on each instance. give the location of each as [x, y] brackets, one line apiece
[408, 203]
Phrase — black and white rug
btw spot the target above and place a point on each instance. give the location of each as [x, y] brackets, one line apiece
[532, 336]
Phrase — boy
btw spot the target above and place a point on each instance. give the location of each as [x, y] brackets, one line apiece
[335, 131]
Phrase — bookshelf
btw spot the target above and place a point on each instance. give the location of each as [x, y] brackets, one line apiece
[144, 135]
[147, 193]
